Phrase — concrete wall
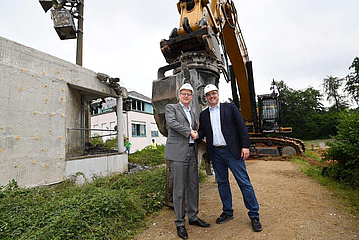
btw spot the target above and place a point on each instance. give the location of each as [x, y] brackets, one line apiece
[41, 98]
[97, 166]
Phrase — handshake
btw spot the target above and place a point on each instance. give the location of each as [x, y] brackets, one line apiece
[194, 134]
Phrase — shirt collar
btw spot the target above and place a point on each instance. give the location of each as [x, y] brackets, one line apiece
[216, 107]
[184, 107]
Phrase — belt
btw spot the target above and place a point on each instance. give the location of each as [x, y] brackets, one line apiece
[221, 147]
[191, 144]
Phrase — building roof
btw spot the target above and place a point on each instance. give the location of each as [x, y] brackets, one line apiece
[136, 95]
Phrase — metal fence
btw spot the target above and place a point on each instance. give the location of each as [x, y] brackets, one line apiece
[87, 141]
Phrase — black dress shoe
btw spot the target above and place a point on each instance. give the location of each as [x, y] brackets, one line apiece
[200, 223]
[256, 225]
[182, 232]
[224, 218]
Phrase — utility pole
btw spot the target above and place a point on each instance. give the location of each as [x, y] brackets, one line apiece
[80, 32]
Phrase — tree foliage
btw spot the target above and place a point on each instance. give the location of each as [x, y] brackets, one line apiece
[331, 88]
[303, 111]
[352, 81]
[344, 151]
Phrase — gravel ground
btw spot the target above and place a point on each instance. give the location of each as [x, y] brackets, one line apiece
[292, 206]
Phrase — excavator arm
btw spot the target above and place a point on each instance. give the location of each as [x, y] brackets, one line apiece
[206, 27]
[207, 43]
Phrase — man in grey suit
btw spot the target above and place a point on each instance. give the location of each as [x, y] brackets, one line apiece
[181, 152]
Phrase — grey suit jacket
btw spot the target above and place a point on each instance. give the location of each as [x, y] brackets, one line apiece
[179, 133]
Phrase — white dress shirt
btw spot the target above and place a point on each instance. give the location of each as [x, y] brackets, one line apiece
[215, 115]
[188, 114]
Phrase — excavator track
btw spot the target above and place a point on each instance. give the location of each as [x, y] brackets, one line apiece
[264, 146]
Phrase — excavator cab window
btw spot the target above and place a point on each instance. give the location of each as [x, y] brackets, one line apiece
[268, 107]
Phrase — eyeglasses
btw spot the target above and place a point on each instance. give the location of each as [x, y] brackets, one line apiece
[186, 94]
[211, 94]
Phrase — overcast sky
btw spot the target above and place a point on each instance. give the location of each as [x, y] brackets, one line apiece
[297, 41]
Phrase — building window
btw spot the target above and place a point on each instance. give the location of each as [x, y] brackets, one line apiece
[138, 130]
[112, 127]
[138, 105]
[93, 133]
[141, 106]
[104, 127]
[148, 108]
[154, 130]
[133, 107]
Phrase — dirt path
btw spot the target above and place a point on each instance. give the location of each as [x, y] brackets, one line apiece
[292, 206]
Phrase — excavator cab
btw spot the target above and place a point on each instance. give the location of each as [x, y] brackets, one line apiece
[268, 109]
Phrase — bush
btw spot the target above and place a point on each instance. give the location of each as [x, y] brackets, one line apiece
[343, 154]
[108, 208]
[96, 140]
[111, 143]
[112, 207]
[149, 157]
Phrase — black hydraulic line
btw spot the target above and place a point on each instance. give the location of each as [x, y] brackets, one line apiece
[186, 25]
[234, 87]
[227, 71]
[252, 95]
[234, 11]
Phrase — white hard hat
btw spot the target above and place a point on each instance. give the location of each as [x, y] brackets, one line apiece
[210, 88]
[186, 86]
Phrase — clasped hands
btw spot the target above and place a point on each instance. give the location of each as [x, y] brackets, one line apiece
[194, 134]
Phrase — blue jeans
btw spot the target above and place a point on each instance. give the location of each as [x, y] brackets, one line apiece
[128, 151]
[222, 160]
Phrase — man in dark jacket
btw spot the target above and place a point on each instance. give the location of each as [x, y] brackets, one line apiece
[227, 145]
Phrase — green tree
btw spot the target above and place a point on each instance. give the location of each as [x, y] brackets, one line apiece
[327, 123]
[352, 81]
[303, 111]
[311, 100]
[344, 151]
[331, 88]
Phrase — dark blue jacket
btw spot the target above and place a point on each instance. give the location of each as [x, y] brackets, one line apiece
[233, 128]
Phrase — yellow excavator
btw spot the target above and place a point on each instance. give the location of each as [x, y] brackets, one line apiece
[208, 43]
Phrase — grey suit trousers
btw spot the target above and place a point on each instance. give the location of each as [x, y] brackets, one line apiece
[185, 183]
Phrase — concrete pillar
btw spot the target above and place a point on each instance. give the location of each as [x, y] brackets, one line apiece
[119, 125]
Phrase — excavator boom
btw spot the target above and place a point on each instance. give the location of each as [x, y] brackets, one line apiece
[208, 43]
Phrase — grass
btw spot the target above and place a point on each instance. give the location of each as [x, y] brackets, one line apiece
[107, 208]
[149, 157]
[316, 143]
[112, 207]
[347, 195]
[313, 155]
